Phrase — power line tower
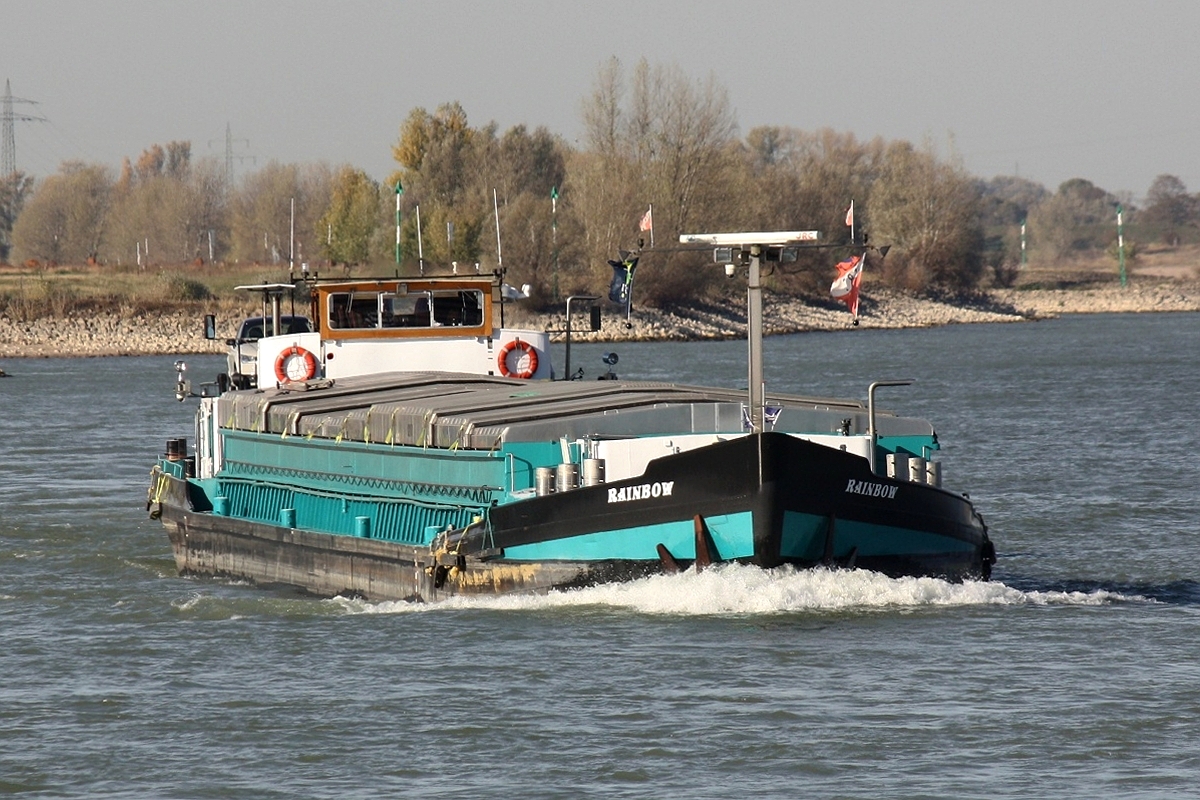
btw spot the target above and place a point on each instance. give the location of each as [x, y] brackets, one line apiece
[229, 156]
[8, 153]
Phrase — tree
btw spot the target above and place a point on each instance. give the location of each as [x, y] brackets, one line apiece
[528, 163]
[1170, 211]
[14, 191]
[178, 159]
[350, 220]
[929, 212]
[261, 213]
[671, 146]
[1009, 199]
[167, 210]
[434, 151]
[525, 167]
[150, 163]
[64, 220]
[444, 167]
[1080, 216]
[450, 170]
[801, 180]
[208, 208]
[1004, 204]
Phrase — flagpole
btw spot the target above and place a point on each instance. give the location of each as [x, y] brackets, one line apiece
[652, 226]
[629, 296]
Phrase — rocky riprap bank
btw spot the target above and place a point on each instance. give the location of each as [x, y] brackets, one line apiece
[109, 334]
[181, 333]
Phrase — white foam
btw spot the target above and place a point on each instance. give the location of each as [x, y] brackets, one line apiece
[187, 605]
[737, 589]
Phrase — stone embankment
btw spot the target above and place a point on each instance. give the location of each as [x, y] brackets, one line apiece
[181, 333]
[108, 335]
[884, 308]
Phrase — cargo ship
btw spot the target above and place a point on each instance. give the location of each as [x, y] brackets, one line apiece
[410, 446]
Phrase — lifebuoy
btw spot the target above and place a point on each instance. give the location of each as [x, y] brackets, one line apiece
[529, 355]
[291, 361]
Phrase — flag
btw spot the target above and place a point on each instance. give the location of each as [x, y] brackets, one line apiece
[621, 288]
[850, 215]
[647, 223]
[845, 288]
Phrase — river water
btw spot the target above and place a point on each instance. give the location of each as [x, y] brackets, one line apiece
[1074, 674]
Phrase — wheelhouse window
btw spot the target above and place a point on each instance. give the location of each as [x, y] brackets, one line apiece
[354, 310]
[425, 309]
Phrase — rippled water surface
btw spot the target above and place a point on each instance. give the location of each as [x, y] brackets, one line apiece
[1074, 673]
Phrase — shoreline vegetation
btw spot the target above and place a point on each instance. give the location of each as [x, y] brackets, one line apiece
[129, 332]
[107, 262]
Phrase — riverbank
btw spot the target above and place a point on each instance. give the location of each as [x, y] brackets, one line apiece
[115, 334]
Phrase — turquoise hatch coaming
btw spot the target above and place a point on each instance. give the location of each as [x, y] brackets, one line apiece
[523, 459]
[399, 471]
[923, 446]
[406, 493]
[732, 534]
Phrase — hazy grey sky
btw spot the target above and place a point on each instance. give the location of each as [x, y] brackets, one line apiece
[1049, 90]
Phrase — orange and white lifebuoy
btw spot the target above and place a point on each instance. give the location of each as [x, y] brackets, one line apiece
[295, 364]
[528, 359]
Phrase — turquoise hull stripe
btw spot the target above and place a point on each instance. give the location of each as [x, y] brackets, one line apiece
[732, 534]
[803, 538]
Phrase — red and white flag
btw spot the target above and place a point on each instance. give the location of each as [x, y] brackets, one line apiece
[850, 215]
[647, 223]
[845, 287]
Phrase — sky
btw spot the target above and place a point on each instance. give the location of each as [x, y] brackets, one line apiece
[1047, 90]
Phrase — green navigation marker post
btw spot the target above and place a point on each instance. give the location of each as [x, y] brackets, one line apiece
[399, 191]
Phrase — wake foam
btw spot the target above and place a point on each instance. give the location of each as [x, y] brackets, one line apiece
[738, 589]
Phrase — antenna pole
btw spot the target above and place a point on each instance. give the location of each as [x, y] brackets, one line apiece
[752, 246]
[754, 340]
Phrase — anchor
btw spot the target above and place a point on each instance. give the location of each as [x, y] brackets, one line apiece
[706, 550]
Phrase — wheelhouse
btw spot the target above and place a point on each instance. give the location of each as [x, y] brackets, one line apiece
[404, 309]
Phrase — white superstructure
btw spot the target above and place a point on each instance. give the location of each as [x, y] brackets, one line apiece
[437, 324]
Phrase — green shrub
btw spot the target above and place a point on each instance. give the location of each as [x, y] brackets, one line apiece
[178, 288]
